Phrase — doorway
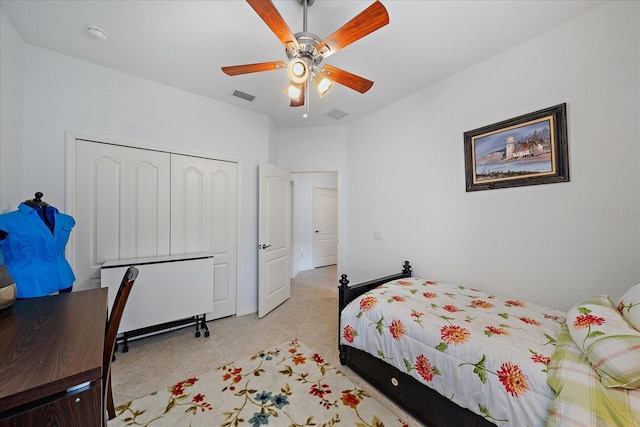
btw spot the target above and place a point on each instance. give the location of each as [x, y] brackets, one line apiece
[303, 230]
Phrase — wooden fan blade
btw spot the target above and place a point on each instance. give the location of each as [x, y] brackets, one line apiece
[347, 79]
[299, 102]
[270, 15]
[234, 70]
[368, 21]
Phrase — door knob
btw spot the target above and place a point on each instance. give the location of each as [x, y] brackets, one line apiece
[317, 231]
[265, 246]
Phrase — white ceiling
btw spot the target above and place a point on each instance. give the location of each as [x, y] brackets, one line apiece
[184, 43]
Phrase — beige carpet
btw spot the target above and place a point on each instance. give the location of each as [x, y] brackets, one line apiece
[286, 385]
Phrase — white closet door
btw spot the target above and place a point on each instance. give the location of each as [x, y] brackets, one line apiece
[120, 207]
[204, 203]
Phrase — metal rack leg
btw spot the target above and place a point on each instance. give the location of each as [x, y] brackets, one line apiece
[204, 325]
[201, 322]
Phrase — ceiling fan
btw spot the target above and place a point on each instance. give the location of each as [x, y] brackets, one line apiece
[305, 51]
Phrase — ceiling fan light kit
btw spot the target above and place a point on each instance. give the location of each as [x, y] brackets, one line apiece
[322, 84]
[294, 90]
[298, 70]
[305, 51]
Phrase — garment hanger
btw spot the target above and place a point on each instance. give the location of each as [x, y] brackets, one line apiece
[37, 201]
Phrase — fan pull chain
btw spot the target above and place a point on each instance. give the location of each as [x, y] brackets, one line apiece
[306, 94]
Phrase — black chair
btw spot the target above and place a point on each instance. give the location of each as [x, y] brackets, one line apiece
[110, 337]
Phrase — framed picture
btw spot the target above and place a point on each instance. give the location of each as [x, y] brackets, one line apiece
[526, 150]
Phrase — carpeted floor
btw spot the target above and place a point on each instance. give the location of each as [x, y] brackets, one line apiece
[155, 362]
[286, 385]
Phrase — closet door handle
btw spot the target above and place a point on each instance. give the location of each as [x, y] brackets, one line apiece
[264, 246]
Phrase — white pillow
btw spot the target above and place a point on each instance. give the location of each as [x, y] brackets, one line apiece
[629, 305]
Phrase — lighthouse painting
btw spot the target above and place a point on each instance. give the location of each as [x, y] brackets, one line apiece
[526, 150]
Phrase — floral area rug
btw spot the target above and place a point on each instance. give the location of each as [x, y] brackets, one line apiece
[288, 385]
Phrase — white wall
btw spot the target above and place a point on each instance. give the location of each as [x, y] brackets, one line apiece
[318, 149]
[11, 106]
[553, 244]
[64, 94]
[303, 215]
[315, 148]
[273, 143]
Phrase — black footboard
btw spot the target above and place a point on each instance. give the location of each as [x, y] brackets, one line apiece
[424, 403]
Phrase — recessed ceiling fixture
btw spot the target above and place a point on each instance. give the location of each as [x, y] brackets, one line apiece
[97, 33]
[305, 51]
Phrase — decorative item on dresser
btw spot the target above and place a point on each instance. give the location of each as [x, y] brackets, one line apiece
[8, 291]
[33, 241]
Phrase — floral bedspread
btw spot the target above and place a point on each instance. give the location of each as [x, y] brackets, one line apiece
[484, 352]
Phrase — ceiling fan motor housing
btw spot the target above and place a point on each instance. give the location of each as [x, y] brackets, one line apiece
[308, 42]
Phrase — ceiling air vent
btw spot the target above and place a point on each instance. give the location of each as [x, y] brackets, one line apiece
[336, 114]
[243, 95]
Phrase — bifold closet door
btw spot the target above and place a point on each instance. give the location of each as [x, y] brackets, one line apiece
[204, 211]
[120, 207]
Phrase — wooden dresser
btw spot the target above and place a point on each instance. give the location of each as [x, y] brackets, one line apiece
[48, 347]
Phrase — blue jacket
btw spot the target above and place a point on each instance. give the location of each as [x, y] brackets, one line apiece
[33, 254]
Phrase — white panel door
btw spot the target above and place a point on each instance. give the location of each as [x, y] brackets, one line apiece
[274, 238]
[325, 218]
[120, 201]
[204, 212]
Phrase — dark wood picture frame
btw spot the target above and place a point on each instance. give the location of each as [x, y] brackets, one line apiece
[526, 150]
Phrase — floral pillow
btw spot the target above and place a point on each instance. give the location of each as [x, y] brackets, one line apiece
[629, 305]
[609, 342]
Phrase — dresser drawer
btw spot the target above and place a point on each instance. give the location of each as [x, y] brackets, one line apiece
[82, 408]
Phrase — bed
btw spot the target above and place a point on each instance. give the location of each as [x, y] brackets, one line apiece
[457, 356]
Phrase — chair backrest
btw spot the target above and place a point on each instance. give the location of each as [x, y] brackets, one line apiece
[113, 324]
